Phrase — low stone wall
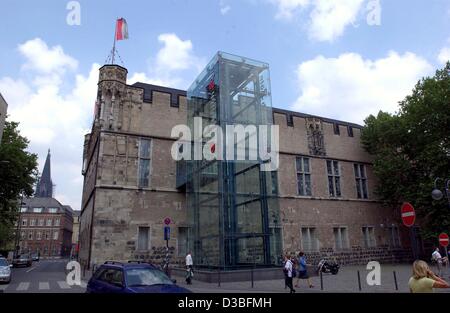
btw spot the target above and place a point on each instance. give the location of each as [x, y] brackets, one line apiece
[358, 256]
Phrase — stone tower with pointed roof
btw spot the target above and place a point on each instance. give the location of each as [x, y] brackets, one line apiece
[44, 187]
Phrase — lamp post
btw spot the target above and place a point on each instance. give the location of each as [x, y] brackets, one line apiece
[437, 194]
[19, 228]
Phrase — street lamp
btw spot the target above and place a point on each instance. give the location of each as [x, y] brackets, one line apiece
[437, 194]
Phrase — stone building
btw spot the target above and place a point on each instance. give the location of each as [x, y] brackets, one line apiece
[75, 232]
[3, 110]
[45, 225]
[324, 187]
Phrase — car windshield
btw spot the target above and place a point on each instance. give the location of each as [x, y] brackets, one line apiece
[146, 277]
[3, 262]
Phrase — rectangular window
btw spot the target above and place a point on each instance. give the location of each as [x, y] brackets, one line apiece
[334, 178]
[394, 236]
[22, 235]
[350, 131]
[303, 176]
[32, 222]
[144, 162]
[38, 235]
[340, 238]
[41, 222]
[56, 222]
[336, 129]
[24, 222]
[37, 210]
[49, 222]
[30, 235]
[369, 237]
[47, 235]
[183, 240]
[309, 239]
[143, 234]
[361, 181]
[55, 235]
[52, 210]
[23, 210]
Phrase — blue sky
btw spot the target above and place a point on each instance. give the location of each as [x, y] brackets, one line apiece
[327, 57]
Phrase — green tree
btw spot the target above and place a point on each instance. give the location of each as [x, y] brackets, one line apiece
[18, 173]
[412, 148]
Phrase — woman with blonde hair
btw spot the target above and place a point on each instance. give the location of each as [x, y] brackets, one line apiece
[423, 279]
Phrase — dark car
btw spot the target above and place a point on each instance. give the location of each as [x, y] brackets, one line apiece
[22, 259]
[116, 277]
[35, 257]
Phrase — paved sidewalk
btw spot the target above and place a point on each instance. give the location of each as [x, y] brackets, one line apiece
[345, 281]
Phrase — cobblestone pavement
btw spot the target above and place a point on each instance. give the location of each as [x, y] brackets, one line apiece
[345, 281]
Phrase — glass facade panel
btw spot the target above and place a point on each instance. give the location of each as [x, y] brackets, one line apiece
[232, 205]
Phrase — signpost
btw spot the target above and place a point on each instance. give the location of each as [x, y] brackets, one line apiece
[408, 214]
[443, 241]
[167, 222]
[409, 217]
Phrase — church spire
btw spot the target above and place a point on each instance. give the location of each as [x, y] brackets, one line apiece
[44, 188]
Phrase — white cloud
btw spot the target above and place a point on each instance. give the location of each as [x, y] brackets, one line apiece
[50, 117]
[444, 53]
[287, 8]
[224, 8]
[327, 19]
[173, 62]
[44, 59]
[330, 18]
[350, 88]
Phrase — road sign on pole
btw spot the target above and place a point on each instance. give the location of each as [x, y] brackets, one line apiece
[408, 214]
[167, 220]
[166, 233]
[409, 217]
[443, 240]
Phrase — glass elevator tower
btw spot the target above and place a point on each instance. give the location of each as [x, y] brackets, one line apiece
[232, 205]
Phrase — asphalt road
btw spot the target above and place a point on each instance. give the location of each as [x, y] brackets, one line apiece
[45, 276]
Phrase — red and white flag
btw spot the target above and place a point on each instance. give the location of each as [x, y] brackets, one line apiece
[121, 29]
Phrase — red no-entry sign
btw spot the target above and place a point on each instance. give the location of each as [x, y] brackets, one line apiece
[443, 239]
[408, 214]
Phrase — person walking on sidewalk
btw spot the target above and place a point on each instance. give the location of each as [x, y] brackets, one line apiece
[302, 270]
[424, 280]
[288, 271]
[437, 257]
[189, 266]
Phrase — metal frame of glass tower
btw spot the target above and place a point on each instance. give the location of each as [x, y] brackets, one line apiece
[232, 205]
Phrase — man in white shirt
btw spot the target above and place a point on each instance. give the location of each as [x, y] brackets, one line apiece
[437, 257]
[288, 270]
[189, 265]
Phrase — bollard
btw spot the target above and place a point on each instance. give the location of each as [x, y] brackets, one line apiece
[218, 277]
[395, 280]
[321, 280]
[359, 281]
[252, 277]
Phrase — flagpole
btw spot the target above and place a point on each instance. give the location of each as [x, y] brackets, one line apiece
[114, 45]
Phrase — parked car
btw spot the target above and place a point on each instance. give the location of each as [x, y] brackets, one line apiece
[117, 277]
[35, 257]
[5, 271]
[22, 259]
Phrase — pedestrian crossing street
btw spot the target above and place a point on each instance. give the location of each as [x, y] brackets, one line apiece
[43, 286]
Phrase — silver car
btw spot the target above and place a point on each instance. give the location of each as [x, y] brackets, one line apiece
[5, 271]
